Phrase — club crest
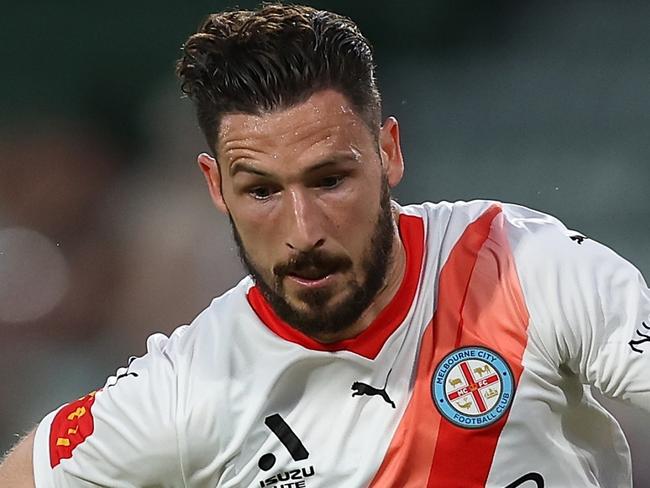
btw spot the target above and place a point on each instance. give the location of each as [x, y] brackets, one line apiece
[472, 387]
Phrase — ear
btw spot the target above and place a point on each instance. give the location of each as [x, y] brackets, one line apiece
[210, 169]
[391, 152]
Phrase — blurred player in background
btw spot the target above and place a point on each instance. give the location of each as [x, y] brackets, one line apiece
[372, 344]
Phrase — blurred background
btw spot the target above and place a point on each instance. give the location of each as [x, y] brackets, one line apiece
[108, 235]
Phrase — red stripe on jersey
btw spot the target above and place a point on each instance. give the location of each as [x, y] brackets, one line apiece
[479, 303]
[369, 342]
[493, 315]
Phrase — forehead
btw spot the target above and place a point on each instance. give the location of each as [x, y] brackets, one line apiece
[325, 119]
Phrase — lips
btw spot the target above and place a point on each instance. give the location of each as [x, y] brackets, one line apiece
[310, 273]
[313, 269]
[311, 282]
[311, 277]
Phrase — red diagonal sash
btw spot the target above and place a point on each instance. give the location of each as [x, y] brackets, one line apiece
[480, 303]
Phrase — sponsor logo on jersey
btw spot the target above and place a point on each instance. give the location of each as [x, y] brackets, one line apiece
[641, 332]
[472, 387]
[536, 478]
[295, 478]
[70, 427]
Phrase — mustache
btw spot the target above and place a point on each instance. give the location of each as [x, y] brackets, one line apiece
[312, 262]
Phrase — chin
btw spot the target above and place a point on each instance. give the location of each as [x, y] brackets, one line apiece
[318, 303]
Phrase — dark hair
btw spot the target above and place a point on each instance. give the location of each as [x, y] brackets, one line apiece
[273, 58]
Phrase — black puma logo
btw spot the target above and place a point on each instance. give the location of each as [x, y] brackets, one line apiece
[578, 238]
[364, 389]
[644, 338]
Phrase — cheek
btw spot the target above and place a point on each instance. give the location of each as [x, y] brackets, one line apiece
[356, 226]
[248, 215]
[259, 236]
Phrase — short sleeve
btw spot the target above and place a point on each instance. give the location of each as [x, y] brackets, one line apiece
[123, 435]
[615, 352]
[589, 306]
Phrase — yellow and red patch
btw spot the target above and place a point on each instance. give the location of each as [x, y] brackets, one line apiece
[70, 427]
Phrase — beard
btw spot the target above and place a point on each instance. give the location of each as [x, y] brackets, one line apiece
[318, 317]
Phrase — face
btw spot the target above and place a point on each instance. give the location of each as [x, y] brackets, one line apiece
[307, 190]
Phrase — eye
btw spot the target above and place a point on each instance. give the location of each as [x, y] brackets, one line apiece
[331, 181]
[260, 192]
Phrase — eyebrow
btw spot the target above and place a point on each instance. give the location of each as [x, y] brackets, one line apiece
[244, 166]
[238, 167]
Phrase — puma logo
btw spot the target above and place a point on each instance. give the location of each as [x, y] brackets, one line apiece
[644, 338]
[364, 389]
[578, 238]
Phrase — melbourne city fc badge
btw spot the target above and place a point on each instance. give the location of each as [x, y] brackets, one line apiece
[473, 387]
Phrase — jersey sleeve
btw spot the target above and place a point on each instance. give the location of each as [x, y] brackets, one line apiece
[589, 306]
[609, 349]
[123, 435]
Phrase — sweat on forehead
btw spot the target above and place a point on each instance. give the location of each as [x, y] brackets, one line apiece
[326, 115]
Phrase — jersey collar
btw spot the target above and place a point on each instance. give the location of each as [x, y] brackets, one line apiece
[369, 342]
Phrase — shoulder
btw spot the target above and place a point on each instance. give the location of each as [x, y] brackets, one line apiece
[540, 243]
[212, 330]
[454, 217]
[525, 226]
[180, 364]
[447, 222]
[441, 214]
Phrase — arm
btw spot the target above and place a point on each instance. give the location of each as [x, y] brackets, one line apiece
[17, 469]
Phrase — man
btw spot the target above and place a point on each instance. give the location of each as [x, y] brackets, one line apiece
[376, 345]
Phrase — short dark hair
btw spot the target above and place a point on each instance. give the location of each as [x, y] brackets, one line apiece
[273, 58]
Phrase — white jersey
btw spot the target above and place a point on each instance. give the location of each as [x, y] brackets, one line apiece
[476, 374]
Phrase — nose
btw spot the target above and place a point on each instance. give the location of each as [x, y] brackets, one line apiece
[304, 221]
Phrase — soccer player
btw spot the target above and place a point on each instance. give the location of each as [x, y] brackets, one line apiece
[372, 344]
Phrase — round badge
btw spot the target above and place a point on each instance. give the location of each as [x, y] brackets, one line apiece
[473, 387]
